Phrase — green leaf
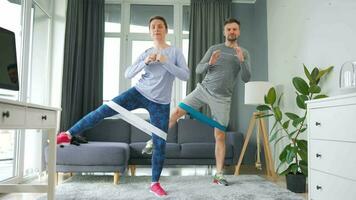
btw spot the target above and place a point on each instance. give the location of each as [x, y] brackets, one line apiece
[320, 96]
[302, 144]
[293, 168]
[300, 85]
[297, 121]
[263, 108]
[271, 96]
[275, 134]
[292, 133]
[324, 72]
[277, 113]
[307, 74]
[303, 129]
[273, 137]
[314, 89]
[279, 100]
[274, 126]
[291, 116]
[303, 149]
[304, 167]
[279, 139]
[264, 116]
[285, 172]
[301, 101]
[314, 74]
[286, 124]
[291, 154]
[283, 154]
[303, 155]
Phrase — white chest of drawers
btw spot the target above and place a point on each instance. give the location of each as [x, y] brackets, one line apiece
[332, 147]
[17, 115]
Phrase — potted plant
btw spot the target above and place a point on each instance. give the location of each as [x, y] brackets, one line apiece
[291, 126]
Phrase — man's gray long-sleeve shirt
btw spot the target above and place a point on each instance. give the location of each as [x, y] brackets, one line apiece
[220, 78]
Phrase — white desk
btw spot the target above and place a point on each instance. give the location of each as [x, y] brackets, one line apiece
[18, 115]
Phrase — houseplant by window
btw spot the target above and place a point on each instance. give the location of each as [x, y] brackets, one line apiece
[291, 126]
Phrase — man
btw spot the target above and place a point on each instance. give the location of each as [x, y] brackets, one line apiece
[222, 63]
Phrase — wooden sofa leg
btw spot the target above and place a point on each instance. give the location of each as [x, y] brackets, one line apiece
[132, 170]
[116, 178]
[56, 178]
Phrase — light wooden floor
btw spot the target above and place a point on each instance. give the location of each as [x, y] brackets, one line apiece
[168, 171]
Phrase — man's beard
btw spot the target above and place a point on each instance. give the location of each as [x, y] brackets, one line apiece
[231, 38]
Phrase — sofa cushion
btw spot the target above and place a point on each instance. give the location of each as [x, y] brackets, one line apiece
[172, 134]
[202, 150]
[192, 131]
[172, 150]
[94, 153]
[139, 136]
[112, 130]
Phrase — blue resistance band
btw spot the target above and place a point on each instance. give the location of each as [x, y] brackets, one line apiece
[200, 117]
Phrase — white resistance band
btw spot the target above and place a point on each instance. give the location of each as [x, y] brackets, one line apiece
[137, 121]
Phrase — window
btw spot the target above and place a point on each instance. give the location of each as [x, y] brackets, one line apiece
[38, 84]
[185, 43]
[186, 20]
[7, 154]
[127, 36]
[112, 18]
[185, 47]
[39, 72]
[112, 46]
[10, 19]
[33, 152]
[111, 67]
[139, 15]
[33, 50]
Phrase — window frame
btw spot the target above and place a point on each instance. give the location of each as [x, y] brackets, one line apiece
[126, 39]
[24, 94]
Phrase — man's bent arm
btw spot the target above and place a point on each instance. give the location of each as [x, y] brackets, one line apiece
[246, 67]
[204, 63]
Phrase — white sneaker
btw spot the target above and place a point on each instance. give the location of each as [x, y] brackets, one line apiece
[148, 148]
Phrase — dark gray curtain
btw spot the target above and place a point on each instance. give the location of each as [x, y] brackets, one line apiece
[206, 29]
[82, 87]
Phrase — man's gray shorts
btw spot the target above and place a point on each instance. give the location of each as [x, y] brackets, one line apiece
[219, 106]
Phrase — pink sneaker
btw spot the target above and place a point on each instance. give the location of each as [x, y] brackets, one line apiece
[158, 190]
[63, 137]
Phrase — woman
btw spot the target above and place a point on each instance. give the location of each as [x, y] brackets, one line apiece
[161, 64]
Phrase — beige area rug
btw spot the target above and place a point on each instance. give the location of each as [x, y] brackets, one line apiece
[243, 187]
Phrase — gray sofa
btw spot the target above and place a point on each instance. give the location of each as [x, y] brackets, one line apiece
[114, 145]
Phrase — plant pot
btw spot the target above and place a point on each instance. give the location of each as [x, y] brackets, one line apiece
[296, 183]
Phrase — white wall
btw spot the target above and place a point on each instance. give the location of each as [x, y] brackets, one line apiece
[314, 32]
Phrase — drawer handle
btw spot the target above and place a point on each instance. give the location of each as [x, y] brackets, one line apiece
[44, 117]
[318, 155]
[317, 124]
[6, 114]
[318, 187]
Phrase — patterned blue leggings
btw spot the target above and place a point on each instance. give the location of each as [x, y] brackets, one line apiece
[132, 99]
